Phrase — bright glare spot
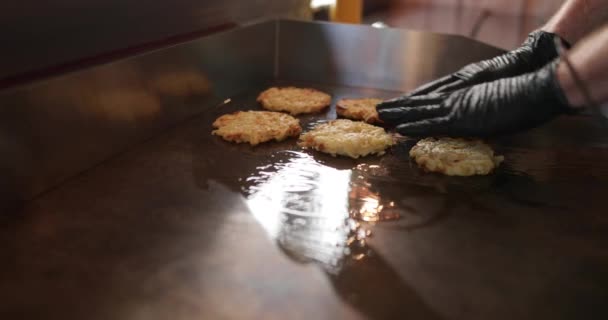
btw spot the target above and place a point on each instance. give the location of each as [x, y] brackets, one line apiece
[379, 25]
[359, 256]
[303, 188]
[316, 4]
[370, 209]
[304, 205]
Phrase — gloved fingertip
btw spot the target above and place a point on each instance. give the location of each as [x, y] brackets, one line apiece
[391, 103]
[384, 105]
[432, 86]
[427, 127]
[414, 130]
[457, 85]
[406, 102]
[390, 116]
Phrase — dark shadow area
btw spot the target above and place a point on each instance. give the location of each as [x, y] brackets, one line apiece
[10, 201]
[373, 287]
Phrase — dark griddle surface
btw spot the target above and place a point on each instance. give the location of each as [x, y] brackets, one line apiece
[164, 232]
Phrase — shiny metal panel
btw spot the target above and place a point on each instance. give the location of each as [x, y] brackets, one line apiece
[64, 125]
[390, 59]
[188, 226]
[54, 129]
[42, 34]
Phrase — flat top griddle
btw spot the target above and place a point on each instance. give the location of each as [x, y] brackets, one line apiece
[188, 226]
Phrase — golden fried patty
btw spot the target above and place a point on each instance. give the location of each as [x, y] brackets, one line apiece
[294, 100]
[455, 157]
[359, 109]
[256, 127]
[348, 138]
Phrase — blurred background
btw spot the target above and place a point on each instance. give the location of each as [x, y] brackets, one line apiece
[45, 37]
[502, 23]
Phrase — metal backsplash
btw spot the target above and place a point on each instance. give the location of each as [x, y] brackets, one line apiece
[52, 130]
[360, 56]
[41, 34]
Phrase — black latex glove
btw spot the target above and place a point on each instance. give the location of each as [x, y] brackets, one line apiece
[501, 106]
[533, 54]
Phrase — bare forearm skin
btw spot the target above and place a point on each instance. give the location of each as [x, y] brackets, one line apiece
[578, 18]
[589, 58]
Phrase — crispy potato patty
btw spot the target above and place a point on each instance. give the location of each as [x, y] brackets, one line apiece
[348, 138]
[294, 100]
[455, 156]
[359, 109]
[256, 127]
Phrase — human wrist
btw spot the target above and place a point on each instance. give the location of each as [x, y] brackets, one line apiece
[568, 85]
[555, 29]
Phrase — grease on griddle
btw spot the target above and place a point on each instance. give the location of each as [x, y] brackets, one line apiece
[304, 205]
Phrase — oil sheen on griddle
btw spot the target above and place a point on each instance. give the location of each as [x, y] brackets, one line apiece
[315, 212]
[365, 204]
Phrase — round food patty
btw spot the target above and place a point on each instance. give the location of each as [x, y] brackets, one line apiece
[294, 100]
[348, 138]
[455, 156]
[256, 127]
[359, 109]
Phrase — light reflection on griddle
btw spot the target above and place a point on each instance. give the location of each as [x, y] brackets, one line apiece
[305, 206]
[365, 204]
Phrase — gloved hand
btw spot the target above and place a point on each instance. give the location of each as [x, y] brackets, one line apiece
[538, 50]
[500, 106]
